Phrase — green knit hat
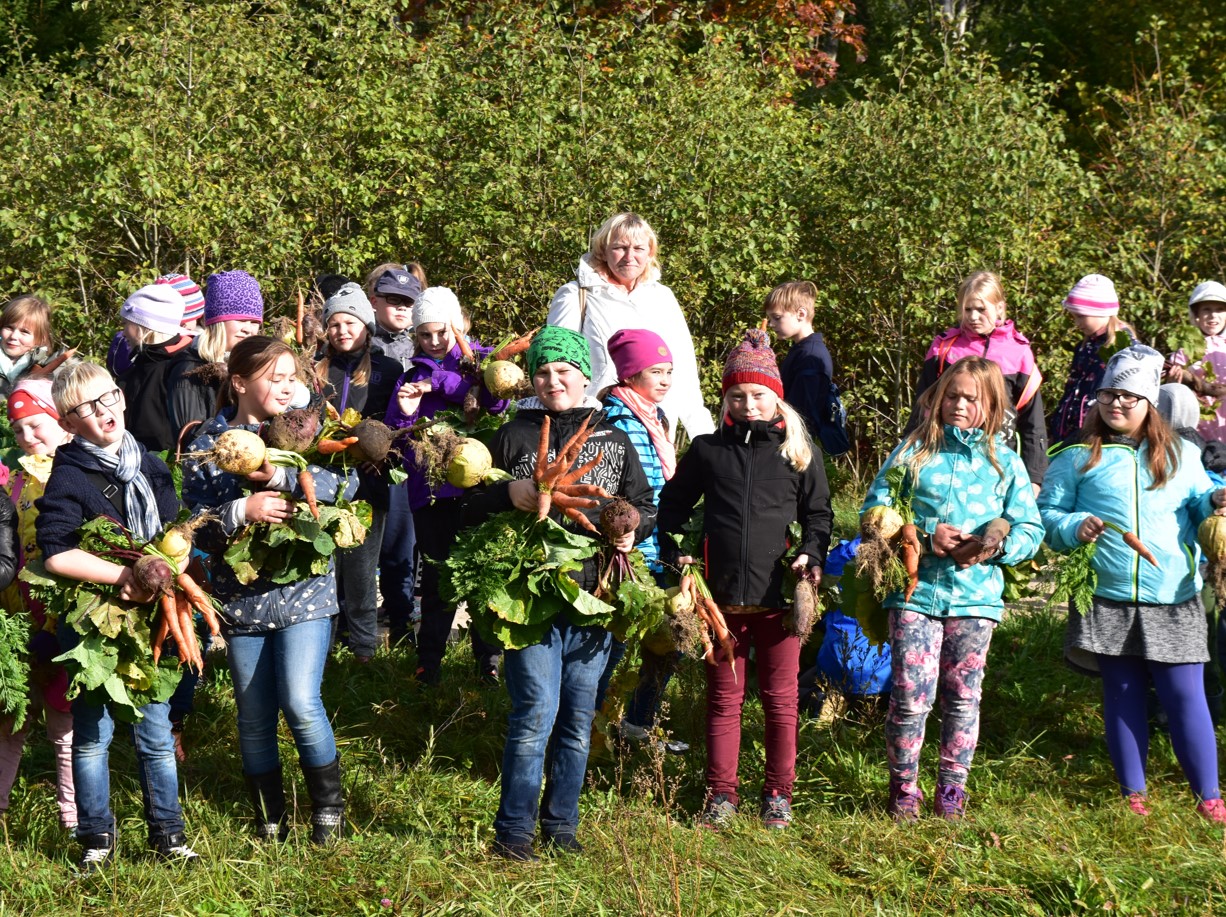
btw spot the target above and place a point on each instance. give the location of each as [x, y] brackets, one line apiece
[554, 344]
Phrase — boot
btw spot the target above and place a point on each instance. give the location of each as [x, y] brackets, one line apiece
[327, 801]
[268, 800]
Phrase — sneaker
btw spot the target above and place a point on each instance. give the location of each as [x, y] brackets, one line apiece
[96, 849]
[902, 805]
[1214, 810]
[173, 847]
[950, 802]
[1139, 804]
[520, 851]
[719, 813]
[776, 812]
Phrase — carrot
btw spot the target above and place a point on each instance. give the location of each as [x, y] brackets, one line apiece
[573, 476]
[582, 490]
[544, 499]
[192, 591]
[1139, 546]
[542, 452]
[301, 309]
[563, 500]
[762, 325]
[466, 352]
[516, 347]
[722, 633]
[173, 624]
[46, 369]
[306, 481]
[161, 627]
[190, 648]
[909, 554]
[574, 445]
[571, 512]
[333, 446]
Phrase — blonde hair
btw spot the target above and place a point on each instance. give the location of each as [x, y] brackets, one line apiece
[70, 383]
[928, 437]
[211, 343]
[413, 267]
[792, 297]
[148, 337]
[797, 448]
[624, 226]
[32, 310]
[985, 286]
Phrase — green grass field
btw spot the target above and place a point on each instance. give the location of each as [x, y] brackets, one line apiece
[1046, 833]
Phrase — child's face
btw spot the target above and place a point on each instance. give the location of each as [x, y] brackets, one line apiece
[345, 333]
[980, 316]
[653, 382]
[17, 340]
[1091, 325]
[102, 405]
[749, 401]
[1210, 318]
[787, 325]
[39, 434]
[627, 259]
[1122, 412]
[393, 312]
[434, 339]
[560, 386]
[269, 393]
[236, 330]
[960, 405]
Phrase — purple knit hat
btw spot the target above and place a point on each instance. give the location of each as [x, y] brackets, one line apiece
[1093, 294]
[752, 360]
[156, 307]
[193, 299]
[632, 350]
[232, 296]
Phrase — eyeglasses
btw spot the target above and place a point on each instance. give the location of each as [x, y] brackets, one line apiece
[1124, 399]
[396, 301]
[89, 408]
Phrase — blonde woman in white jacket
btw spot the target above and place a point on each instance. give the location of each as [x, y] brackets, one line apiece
[617, 286]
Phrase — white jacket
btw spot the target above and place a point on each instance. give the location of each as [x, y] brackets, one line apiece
[652, 306]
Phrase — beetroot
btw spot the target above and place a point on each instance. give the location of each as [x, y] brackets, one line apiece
[153, 574]
[618, 518]
[374, 441]
[293, 430]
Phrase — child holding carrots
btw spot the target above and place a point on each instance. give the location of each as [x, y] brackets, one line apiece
[277, 636]
[974, 510]
[104, 471]
[758, 473]
[35, 422]
[1131, 487]
[436, 380]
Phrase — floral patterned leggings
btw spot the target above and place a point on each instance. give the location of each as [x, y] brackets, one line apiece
[926, 651]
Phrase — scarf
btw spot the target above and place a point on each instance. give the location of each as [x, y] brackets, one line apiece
[140, 504]
[12, 369]
[649, 415]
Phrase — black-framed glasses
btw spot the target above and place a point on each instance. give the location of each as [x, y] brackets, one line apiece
[89, 408]
[396, 301]
[1124, 399]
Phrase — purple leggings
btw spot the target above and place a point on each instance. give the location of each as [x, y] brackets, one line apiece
[1181, 691]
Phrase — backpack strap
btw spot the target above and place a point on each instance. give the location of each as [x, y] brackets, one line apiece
[582, 308]
[110, 489]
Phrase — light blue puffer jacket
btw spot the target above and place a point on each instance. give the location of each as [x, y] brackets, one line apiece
[960, 487]
[1116, 490]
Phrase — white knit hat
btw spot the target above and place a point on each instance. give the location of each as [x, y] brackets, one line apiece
[1136, 370]
[1209, 291]
[436, 304]
[1093, 294]
[157, 307]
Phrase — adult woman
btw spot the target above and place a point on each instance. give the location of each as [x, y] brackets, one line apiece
[616, 286]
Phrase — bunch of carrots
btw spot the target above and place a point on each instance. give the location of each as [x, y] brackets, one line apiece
[695, 596]
[558, 485]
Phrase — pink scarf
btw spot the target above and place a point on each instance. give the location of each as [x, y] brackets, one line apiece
[647, 412]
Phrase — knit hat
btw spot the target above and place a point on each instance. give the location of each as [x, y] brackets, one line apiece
[232, 296]
[398, 283]
[1178, 405]
[555, 344]
[1136, 370]
[752, 360]
[350, 300]
[1209, 291]
[435, 305]
[156, 307]
[1093, 294]
[632, 350]
[31, 396]
[193, 299]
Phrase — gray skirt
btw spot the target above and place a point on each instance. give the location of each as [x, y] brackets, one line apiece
[1157, 633]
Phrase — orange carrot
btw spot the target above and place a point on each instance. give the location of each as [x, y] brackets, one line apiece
[571, 477]
[544, 499]
[582, 490]
[466, 352]
[190, 648]
[161, 628]
[1139, 546]
[909, 554]
[191, 590]
[564, 500]
[571, 512]
[542, 452]
[171, 613]
[333, 446]
[516, 347]
[306, 481]
[301, 309]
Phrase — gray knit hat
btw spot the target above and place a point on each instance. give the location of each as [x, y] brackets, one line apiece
[1136, 370]
[1178, 405]
[350, 300]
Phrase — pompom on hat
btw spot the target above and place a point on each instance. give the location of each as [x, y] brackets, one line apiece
[193, 299]
[1136, 370]
[753, 361]
[1093, 294]
[156, 307]
[31, 396]
[632, 350]
[232, 296]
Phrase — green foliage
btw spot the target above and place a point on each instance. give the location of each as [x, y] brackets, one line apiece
[14, 668]
[300, 547]
[1075, 579]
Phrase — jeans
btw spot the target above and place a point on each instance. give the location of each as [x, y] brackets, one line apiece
[552, 686]
[355, 580]
[275, 671]
[397, 572]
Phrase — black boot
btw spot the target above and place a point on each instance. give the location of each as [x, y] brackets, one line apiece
[268, 800]
[327, 801]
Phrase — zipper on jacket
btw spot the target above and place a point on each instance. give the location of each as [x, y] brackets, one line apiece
[1136, 523]
[746, 514]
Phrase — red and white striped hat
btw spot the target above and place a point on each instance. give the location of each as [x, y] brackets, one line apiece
[1093, 294]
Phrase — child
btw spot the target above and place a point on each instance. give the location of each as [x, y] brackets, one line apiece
[35, 423]
[552, 685]
[807, 369]
[151, 319]
[104, 471]
[1145, 621]
[644, 371]
[119, 356]
[434, 382]
[277, 637]
[983, 331]
[758, 473]
[353, 375]
[1095, 310]
[25, 339]
[393, 294]
[1207, 306]
[963, 483]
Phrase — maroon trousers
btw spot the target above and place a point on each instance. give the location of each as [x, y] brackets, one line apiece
[778, 660]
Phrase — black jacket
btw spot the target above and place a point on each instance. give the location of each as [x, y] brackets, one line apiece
[8, 542]
[189, 395]
[514, 450]
[144, 390]
[369, 400]
[752, 494]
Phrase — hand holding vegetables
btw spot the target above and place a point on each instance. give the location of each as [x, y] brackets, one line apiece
[1092, 527]
[975, 549]
[268, 506]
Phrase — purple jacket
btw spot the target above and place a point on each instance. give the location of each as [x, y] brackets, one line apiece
[448, 388]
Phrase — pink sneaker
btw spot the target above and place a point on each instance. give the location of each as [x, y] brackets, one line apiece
[1139, 804]
[1214, 810]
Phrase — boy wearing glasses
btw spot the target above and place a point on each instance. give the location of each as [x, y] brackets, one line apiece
[104, 471]
[393, 296]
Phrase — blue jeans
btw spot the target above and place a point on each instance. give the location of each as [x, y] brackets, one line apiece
[275, 671]
[552, 687]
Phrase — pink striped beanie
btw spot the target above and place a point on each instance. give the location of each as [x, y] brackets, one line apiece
[1093, 294]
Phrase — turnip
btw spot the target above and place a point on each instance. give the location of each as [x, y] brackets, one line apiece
[503, 378]
[238, 452]
[469, 464]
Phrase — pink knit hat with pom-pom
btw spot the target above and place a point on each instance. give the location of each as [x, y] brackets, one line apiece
[752, 360]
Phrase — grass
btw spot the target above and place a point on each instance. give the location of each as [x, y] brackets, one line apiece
[1046, 832]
